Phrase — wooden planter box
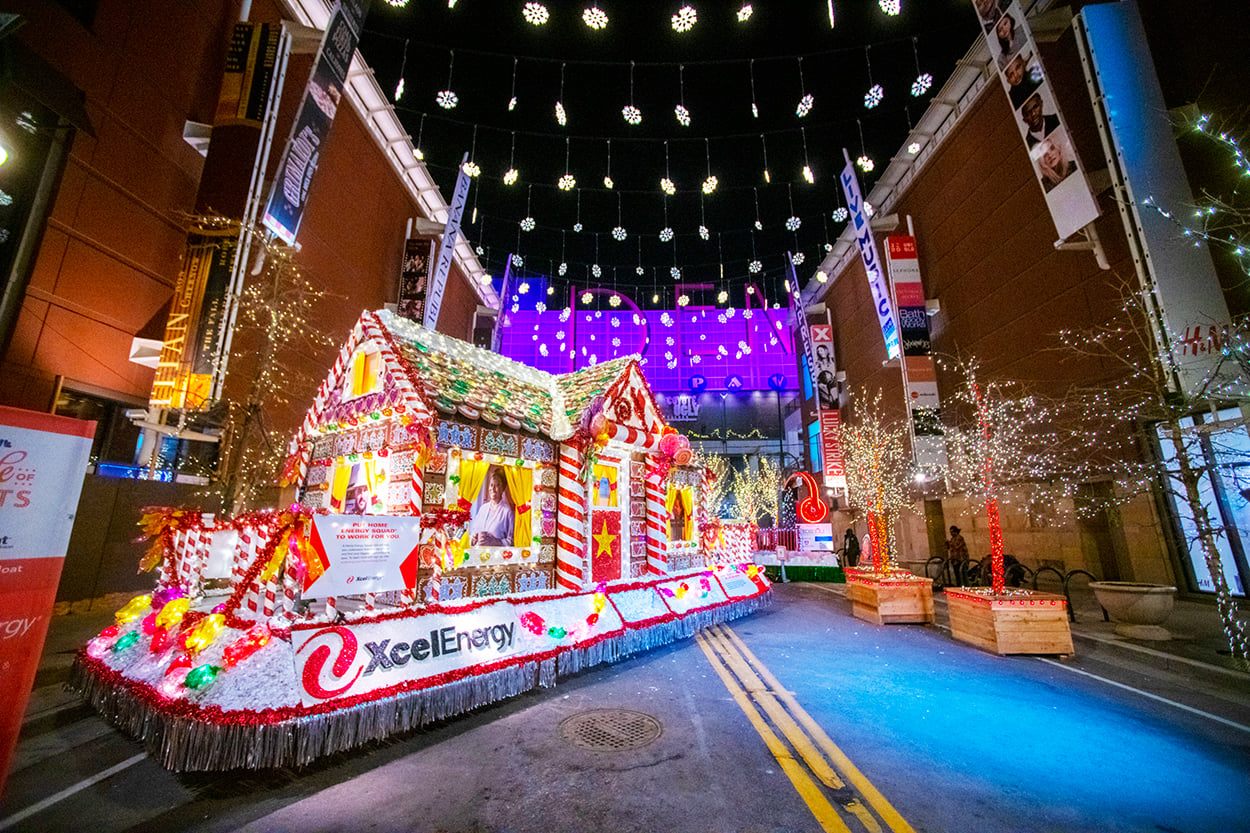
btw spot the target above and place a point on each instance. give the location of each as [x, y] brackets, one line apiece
[889, 598]
[1017, 623]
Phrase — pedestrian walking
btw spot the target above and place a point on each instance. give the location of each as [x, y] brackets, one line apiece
[850, 548]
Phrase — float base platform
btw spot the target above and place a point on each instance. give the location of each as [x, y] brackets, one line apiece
[320, 688]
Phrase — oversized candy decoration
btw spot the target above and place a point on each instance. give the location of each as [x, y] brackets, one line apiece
[204, 632]
[148, 625]
[133, 609]
[171, 613]
[201, 677]
[161, 639]
[533, 623]
[125, 641]
[669, 444]
[180, 663]
[166, 595]
[246, 645]
[683, 456]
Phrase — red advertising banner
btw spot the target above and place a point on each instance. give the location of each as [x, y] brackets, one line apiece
[42, 462]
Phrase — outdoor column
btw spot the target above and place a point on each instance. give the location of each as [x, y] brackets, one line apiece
[570, 520]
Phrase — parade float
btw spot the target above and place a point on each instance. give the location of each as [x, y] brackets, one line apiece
[466, 528]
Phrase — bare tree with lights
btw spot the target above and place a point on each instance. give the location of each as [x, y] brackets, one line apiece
[714, 487]
[878, 475]
[757, 491]
[275, 342]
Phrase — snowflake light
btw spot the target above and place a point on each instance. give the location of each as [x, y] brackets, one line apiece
[682, 114]
[709, 184]
[510, 176]
[754, 268]
[577, 227]
[567, 182]
[704, 233]
[587, 297]
[821, 276]
[619, 234]
[616, 341]
[874, 95]
[839, 215]
[890, 7]
[486, 279]
[542, 350]
[744, 13]
[759, 226]
[535, 14]
[518, 261]
[614, 300]
[797, 258]
[805, 105]
[722, 297]
[868, 209]
[793, 223]
[562, 269]
[420, 154]
[684, 19]
[865, 163]
[828, 248]
[397, 4]
[540, 307]
[676, 273]
[595, 17]
[596, 270]
[608, 183]
[668, 186]
[922, 84]
[511, 107]
[523, 288]
[666, 234]
[913, 148]
[447, 99]
[561, 117]
[808, 175]
[631, 114]
[528, 224]
[471, 168]
[399, 90]
[682, 300]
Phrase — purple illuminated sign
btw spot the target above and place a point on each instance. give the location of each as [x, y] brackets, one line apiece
[683, 350]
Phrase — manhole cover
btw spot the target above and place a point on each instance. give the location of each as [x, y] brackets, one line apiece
[610, 730]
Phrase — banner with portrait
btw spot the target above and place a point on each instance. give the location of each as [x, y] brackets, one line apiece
[1014, 53]
[414, 277]
[497, 497]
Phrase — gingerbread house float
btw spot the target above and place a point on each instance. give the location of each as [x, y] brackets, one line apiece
[467, 528]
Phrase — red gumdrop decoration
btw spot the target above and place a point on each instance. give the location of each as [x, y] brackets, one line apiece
[160, 640]
[181, 662]
[592, 619]
[149, 623]
[533, 623]
[110, 632]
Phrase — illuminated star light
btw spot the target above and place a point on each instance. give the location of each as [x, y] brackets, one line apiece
[684, 19]
[595, 17]
[535, 13]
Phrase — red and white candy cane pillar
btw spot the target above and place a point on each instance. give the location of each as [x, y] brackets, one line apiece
[570, 520]
[657, 519]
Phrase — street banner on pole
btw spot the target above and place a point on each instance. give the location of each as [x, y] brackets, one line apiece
[414, 277]
[920, 376]
[289, 195]
[43, 459]
[867, 245]
[447, 248]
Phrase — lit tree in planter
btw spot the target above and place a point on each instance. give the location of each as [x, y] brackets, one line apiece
[878, 474]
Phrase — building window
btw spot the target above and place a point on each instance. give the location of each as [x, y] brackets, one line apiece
[116, 437]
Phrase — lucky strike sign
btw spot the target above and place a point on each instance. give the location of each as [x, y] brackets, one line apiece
[337, 661]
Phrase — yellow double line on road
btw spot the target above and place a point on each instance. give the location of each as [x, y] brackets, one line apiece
[820, 771]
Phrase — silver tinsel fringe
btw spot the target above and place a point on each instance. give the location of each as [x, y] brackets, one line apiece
[188, 744]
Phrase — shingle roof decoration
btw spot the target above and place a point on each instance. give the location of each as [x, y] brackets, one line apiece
[456, 377]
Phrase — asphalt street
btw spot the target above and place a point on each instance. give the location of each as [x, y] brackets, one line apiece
[799, 718]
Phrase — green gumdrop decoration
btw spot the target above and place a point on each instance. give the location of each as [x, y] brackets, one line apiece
[557, 632]
[201, 677]
[125, 641]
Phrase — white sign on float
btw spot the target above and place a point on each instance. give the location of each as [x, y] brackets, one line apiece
[364, 554]
[862, 232]
[816, 537]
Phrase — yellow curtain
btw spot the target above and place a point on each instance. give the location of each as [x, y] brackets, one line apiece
[375, 476]
[687, 502]
[472, 476]
[338, 486]
[521, 490]
[670, 498]
[602, 471]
